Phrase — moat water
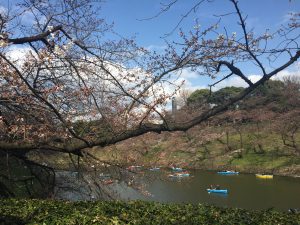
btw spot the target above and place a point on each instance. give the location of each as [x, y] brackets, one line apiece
[244, 190]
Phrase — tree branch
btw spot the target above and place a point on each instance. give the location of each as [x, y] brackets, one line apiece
[242, 23]
[39, 37]
[234, 70]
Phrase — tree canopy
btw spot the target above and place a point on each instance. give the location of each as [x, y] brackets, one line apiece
[282, 95]
[199, 96]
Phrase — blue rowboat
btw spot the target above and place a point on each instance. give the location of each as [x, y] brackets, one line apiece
[228, 172]
[222, 191]
[177, 169]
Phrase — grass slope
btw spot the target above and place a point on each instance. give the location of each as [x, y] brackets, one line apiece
[216, 147]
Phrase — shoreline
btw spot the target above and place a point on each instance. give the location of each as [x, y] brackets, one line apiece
[284, 171]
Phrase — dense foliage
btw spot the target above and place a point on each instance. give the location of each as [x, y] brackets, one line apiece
[202, 96]
[57, 212]
[198, 97]
[224, 94]
[274, 95]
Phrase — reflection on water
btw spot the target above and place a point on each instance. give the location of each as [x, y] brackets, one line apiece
[222, 195]
[244, 190]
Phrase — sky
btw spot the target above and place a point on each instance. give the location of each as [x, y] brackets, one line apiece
[131, 18]
[127, 16]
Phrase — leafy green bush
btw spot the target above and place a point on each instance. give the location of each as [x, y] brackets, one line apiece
[14, 211]
[198, 97]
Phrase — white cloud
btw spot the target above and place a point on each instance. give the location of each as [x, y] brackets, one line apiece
[286, 73]
[254, 78]
[236, 82]
[192, 87]
[187, 74]
[18, 53]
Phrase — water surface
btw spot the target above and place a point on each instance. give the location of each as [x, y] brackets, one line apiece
[245, 190]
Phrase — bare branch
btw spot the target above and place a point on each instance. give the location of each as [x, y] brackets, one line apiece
[234, 70]
[39, 37]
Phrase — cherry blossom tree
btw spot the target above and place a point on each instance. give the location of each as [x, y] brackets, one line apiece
[80, 85]
[72, 71]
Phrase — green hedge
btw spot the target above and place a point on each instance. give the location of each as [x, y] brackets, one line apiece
[14, 211]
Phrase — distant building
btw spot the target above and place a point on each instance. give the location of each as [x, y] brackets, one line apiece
[174, 106]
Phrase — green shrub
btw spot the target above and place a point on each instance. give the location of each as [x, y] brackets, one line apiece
[14, 211]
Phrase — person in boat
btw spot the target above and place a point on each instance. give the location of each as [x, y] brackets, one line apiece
[211, 187]
[217, 187]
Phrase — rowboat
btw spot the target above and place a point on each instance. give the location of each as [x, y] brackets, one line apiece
[221, 191]
[179, 175]
[177, 169]
[228, 172]
[264, 176]
[106, 182]
[154, 169]
[103, 175]
[133, 167]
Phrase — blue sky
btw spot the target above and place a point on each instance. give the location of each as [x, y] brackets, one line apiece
[126, 15]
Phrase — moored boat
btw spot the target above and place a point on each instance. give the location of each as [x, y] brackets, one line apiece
[228, 172]
[222, 191]
[178, 175]
[177, 169]
[103, 175]
[264, 176]
[106, 182]
[154, 169]
[133, 167]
